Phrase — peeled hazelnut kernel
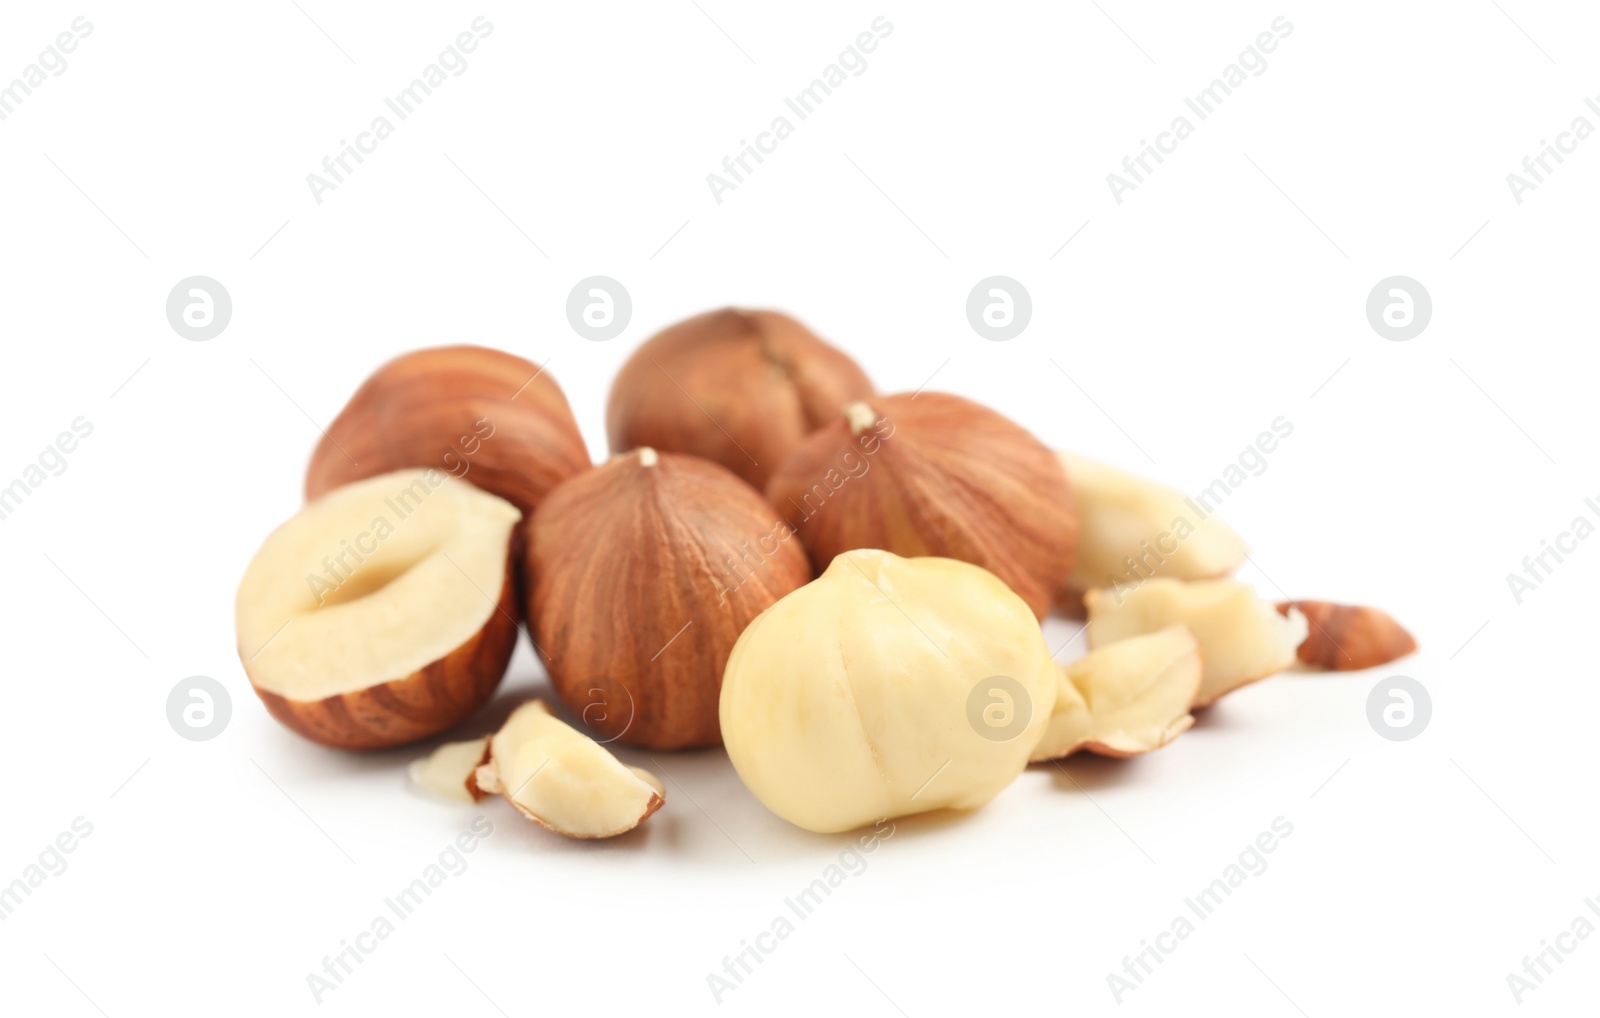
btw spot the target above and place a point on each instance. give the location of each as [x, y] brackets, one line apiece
[887, 686]
[563, 780]
[1128, 698]
[640, 575]
[480, 415]
[1242, 638]
[451, 770]
[934, 474]
[1347, 638]
[1125, 520]
[739, 388]
[382, 612]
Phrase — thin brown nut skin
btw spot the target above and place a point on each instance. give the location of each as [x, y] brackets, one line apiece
[1349, 638]
[655, 803]
[938, 475]
[478, 794]
[482, 415]
[640, 578]
[739, 388]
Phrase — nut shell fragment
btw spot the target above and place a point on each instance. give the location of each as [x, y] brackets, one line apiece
[1348, 638]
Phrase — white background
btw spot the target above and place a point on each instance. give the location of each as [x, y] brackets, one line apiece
[1227, 290]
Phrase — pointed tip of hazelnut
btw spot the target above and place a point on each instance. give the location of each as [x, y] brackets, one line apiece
[648, 457]
[860, 417]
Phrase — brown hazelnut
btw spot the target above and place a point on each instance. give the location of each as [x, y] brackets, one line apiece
[739, 388]
[933, 474]
[479, 415]
[641, 574]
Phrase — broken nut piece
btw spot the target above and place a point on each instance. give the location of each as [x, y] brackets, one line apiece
[1243, 638]
[451, 770]
[1127, 521]
[1349, 638]
[563, 780]
[1125, 699]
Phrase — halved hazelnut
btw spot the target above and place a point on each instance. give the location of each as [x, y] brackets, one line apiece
[1348, 638]
[480, 415]
[1129, 526]
[383, 612]
[563, 780]
[451, 770]
[739, 388]
[933, 474]
[1243, 639]
[641, 574]
[1128, 698]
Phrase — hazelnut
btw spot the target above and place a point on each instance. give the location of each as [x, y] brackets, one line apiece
[934, 474]
[382, 612]
[739, 388]
[480, 415]
[888, 686]
[641, 574]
